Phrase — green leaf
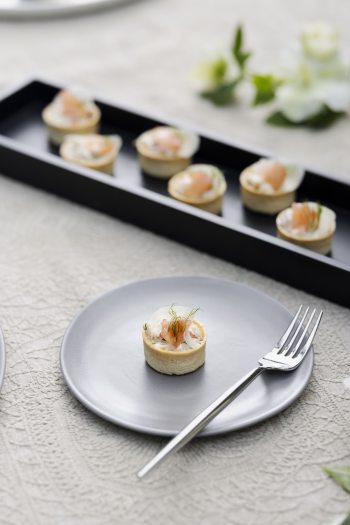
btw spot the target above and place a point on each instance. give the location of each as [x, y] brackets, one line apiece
[265, 86]
[212, 72]
[222, 95]
[341, 475]
[219, 69]
[325, 118]
[239, 55]
[238, 40]
[278, 119]
[346, 520]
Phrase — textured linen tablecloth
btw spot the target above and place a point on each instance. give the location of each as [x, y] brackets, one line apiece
[60, 464]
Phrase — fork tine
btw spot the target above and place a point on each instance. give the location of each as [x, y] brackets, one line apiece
[287, 333]
[301, 338]
[308, 343]
[284, 351]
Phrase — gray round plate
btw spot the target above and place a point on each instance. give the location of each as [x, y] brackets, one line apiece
[47, 8]
[103, 364]
[2, 359]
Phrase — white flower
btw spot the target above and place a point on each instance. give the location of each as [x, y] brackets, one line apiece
[299, 103]
[211, 73]
[216, 69]
[313, 75]
[334, 93]
[319, 40]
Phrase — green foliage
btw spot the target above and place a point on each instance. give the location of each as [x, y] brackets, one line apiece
[241, 57]
[223, 92]
[222, 95]
[265, 88]
[341, 475]
[221, 86]
[326, 117]
[219, 69]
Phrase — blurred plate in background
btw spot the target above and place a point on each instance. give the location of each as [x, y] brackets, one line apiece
[39, 8]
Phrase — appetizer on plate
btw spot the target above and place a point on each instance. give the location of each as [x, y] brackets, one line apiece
[174, 341]
[94, 151]
[307, 224]
[70, 112]
[269, 186]
[164, 151]
[200, 185]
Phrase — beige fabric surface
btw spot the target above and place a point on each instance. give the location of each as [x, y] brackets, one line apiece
[59, 464]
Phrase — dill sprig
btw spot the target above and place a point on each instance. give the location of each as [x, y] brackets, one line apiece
[172, 311]
[176, 318]
[192, 313]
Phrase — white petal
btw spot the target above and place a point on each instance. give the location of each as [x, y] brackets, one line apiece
[297, 104]
[335, 94]
[319, 40]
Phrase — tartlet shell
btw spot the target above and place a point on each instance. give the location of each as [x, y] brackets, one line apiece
[105, 165]
[162, 168]
[171, 362]
[159, 165]
[267, 203]
[211, 204]
[321, 244]
[58, 133]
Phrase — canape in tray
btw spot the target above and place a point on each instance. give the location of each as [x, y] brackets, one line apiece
[269, 186]
[164, 150]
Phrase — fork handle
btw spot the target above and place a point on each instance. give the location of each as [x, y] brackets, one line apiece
[200, 421]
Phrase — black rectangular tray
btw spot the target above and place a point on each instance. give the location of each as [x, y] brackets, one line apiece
[240, 236]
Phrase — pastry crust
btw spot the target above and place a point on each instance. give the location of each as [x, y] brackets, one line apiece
[160, 165]
[322, 246]
[58, 133]
[267, 203]
[172, 362]
[212, 204]
[162, 168]
[104, 164]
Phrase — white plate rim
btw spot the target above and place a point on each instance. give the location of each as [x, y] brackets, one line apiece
[159, 431]
[57, 8]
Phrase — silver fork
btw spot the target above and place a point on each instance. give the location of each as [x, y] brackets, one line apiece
[286, 356]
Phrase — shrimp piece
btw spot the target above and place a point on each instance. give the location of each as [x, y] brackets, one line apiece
[273, 173]
[167, 140]
[304, 217]
[73, 107]
[99, 147]
[173, 331]
[200, 183]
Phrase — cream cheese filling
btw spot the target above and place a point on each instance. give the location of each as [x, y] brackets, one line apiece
[324, 228]
[89, 148]
[181, 183]
[60, 118]
[255, 179]
[189, 142]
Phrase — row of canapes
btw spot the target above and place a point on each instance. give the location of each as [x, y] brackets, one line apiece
[267, 186]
